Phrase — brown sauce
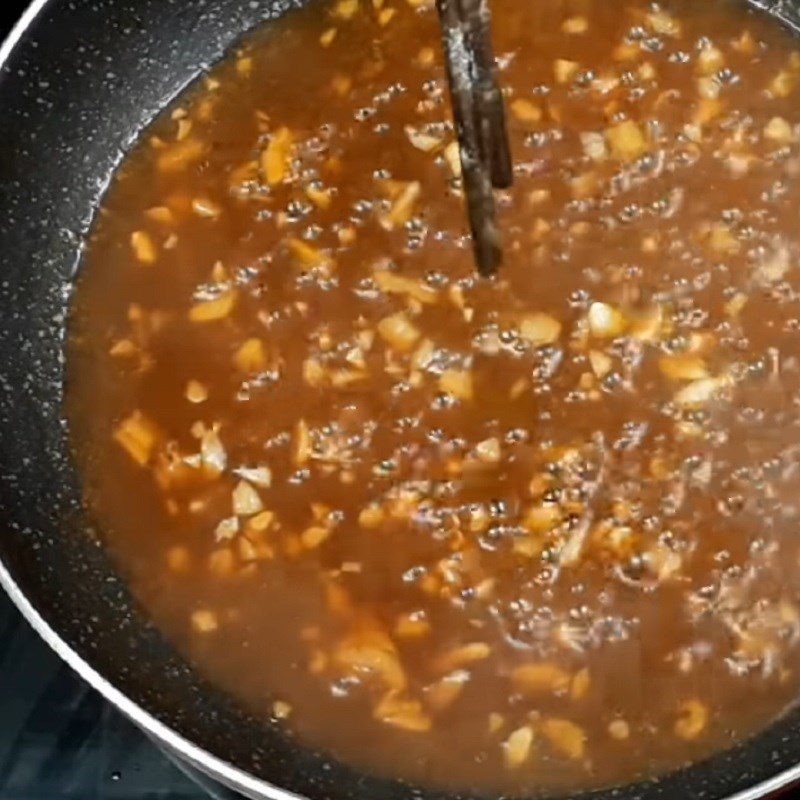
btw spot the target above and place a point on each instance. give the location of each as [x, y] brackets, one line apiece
[537, 533]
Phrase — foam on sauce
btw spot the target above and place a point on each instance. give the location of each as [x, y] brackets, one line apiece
[536, 533]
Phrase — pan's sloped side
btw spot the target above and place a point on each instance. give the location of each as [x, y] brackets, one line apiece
[78, 84]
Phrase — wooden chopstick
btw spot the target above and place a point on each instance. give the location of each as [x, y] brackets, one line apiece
[479, 117]
[489, 108]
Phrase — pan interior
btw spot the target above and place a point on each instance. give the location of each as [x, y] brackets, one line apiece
[68, 576]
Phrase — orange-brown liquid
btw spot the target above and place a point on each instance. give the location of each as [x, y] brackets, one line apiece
[531, 533]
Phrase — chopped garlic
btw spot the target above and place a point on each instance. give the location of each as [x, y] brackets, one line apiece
[458, 383]
[212, 310]
[399, 332]
[575, 25]
[204, 621]
[539, 329]
[212, 453]
[393, 283]
[605, 321]
[226, 529]
[281, 709]
[701, 391]
[600, 362]
[626, 141]
[144, 247]
[710, 60]
[489, 450]
[452, 156]
[275, 157]
[421, 140]
[594, 145]
[534, 679]
[517, 746]
[138, 436]
[345, 9]
[196, 392]
[314, 536]
[619, 729]
[779, 130]
[683, 367]
[260, 476]
[525, 110]
[692, 719]
[246, 500]
[403, 206]
[663, 24]
[250, 356]
[204, 207]
[565, 70]
[327, 36]
[567, 738]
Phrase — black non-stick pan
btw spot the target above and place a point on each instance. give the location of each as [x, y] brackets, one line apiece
[78, 81]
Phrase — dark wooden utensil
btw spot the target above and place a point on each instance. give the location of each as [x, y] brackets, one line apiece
[479, 116]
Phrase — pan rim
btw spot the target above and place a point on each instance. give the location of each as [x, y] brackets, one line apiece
[221, 770]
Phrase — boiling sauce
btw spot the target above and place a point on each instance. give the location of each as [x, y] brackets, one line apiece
[533, 533]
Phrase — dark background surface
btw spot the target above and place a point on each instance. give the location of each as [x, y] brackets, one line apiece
[59, 740]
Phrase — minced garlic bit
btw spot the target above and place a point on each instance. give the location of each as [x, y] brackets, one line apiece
[204, 621]
[246, 500]
[371, 517]
[605, 321]
[565, 70]
[398, 331]
[692, 719]
[779, 130]
[275, 157]
[138, 435]
[457, 382]
[250, 357]
[453, 157]
[345, 9]
[533, 679]
[426, 142]
[575, 25]
[539, 329]
[281, 709]
[567, 738]
[258, 476]
[144, 247]
[212, 310]
[212, 452]
[517, 747]
[525, 110]
[161, 214]
[402, 206]
[619, 729]
[626, 141]
[462, 656]
[226, 529]
[196, 392]
[204, 207]
[489, 450]
[326, 37]
[314, 536]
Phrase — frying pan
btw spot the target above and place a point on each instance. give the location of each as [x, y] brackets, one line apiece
[78, 80]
